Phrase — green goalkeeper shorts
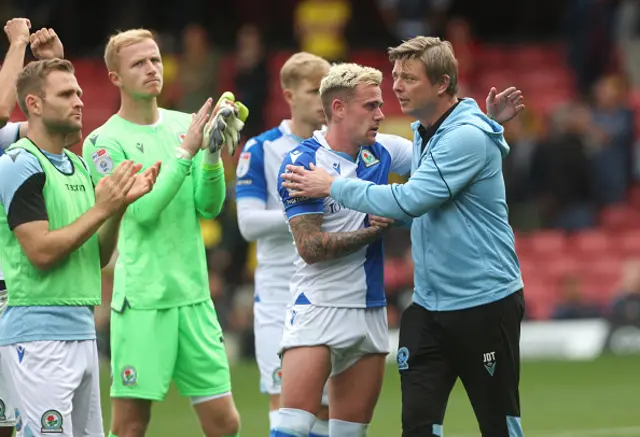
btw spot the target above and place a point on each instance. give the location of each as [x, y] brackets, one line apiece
[150, 348]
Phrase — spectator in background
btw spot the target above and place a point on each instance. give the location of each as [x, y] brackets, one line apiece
[517, 171]
[562, 174]
[590, 39]
[252, 77]
[466, 50]
[197, 77]
[628, 39]
[320, 27]
[612, 133]
[625, 308]
[407, 19]
[572, 304]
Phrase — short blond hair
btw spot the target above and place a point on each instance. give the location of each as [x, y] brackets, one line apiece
[342, 80]
[301, 66]
[32, 77]
[435, 54]
[121, 40]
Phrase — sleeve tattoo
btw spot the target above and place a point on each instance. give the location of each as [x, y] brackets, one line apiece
[314, 245]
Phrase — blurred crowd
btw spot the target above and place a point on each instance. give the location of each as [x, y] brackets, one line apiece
[569, 162]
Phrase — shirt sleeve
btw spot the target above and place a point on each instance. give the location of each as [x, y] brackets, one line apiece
[401, 151]
[9, 134]
[210, 187]
[294, 206]
[256, 221]
[22, 182]
[104, 154]
[455, 161]
[250, 177]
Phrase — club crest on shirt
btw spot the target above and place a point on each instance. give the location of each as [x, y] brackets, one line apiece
[51, 422]
[243, 164]
[102, 160]
[368, 158]
[277, 376]
[129, 376]
[3, 410]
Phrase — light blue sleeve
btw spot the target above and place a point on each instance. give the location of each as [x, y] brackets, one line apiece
[16, 167]
[455, 160]
[9, 134]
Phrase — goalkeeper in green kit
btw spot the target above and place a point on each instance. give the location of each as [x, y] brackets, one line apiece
[163, 324]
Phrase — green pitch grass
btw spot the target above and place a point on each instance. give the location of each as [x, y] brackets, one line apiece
[559, 399]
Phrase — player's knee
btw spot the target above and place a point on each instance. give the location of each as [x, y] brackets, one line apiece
[227, 425]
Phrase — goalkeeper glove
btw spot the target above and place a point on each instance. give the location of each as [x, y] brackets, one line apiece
[224, 128]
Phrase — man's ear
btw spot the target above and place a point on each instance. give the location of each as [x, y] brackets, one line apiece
[115, 79]
[34, 104]
[288, 96]
[443, 84]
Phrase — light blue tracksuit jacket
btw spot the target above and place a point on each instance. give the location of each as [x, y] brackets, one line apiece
[462, 243]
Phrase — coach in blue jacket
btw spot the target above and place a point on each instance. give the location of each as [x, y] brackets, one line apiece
[468, 302]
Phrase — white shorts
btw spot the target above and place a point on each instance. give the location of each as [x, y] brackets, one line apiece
[350, 333]
[268, 324]
[56, 387]
[7, 406]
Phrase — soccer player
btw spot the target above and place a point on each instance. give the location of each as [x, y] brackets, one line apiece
[260, 218]
[44, 45]
[55, 234]
[163, 323]
[336, 327]
[468, 301]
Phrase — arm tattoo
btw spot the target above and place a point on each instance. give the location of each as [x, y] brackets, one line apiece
[314, 245]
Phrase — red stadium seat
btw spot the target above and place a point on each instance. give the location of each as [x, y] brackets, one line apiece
[559, 266]
[620, 217]
[592, 244]
[629, 243]
[634, 199]
[547, 243]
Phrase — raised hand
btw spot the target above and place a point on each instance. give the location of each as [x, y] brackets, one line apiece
[143, 183]
[45, 44]
[193, 140]
[17, 30]
[503, 106]
[112, 190]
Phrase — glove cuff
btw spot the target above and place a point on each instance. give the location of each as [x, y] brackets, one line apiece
[211, 158]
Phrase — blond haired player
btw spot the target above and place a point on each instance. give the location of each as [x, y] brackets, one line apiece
[163, 323]
[260, 219]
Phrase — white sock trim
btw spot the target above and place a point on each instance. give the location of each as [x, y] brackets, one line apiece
[273, 419]
[340, 428]
[296, 422]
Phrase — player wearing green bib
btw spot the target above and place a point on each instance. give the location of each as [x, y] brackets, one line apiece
[163, 324]
[55, 234]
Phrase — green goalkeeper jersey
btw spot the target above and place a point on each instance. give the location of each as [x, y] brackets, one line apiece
[161, 262]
